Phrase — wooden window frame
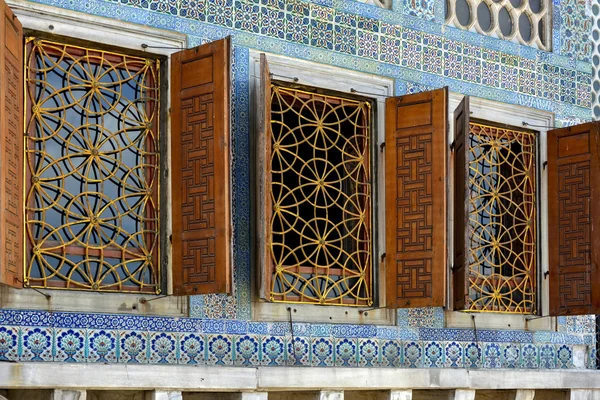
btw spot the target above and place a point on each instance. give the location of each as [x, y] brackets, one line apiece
[340, 81]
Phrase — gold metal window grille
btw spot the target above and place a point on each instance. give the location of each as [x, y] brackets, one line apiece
[91, 169]
[502, 220]
[320, 194]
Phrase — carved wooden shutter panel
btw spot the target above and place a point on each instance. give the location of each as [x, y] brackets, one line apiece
[461, 214]
[264, 145]
[416, 143]
[11, 148]
[200, 103]
[574, 219]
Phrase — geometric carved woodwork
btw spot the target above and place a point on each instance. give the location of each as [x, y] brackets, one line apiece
[200, 164]
[573, 219]
[461, 209]
[11, 148]
[416, 143]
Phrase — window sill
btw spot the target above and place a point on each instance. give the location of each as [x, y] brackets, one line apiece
[80, 301]
[490, 320]
[274, 312]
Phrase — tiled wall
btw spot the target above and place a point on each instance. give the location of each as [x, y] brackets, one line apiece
[408, 43]
[70, 337]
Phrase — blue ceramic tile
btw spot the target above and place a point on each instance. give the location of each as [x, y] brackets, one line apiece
[163, 348]
[299, 351]
[392, 353]
[191, 348]
[37, 344]
[219, 349]
[70, 345]
[345, 352]
[433, 354]
[133, 347]
[273, 350]
[322, 352]
[247, 350]
[9, 342]
[413, 355]
[102, 345]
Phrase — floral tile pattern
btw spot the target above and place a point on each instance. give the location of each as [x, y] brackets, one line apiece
[133, 347]
[576, 26]
[163, 348]
[191, 349]
[207, 344]
[70, 345]
[37, 344]
[102, 346]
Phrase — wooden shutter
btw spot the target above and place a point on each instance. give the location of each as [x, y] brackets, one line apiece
[461, 212]
[574, 219]
[200, 155]
[264, 149]
[416, 147]
[11, 148]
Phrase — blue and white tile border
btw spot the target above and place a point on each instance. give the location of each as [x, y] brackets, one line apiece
[101, 338]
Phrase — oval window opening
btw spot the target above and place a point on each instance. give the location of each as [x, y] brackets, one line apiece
[506, 24]
[535, 5]
[525, 27]
[463, 12]
[484, 16]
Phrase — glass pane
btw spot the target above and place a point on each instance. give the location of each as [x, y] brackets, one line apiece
[505, 21]
[535, 5]
[484, 17]
[463, 12]
[525, 27]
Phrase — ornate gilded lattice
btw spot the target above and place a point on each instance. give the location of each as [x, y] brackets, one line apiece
[321, 198]
[502, 216]
[92, 169]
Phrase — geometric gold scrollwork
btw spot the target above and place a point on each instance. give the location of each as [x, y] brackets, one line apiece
[502, 220]
[92, 169]
[320, 193]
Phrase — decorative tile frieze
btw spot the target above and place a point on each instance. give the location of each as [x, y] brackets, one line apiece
[141, 346]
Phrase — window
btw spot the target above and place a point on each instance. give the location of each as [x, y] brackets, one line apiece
[92, 159]
[523, 21]
[321, 198]
[326, 126]
[501, 219]
[496, 203]
[93, 151]
[321, 218]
